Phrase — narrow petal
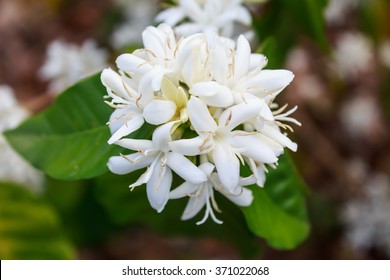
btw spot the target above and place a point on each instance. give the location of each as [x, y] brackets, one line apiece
[135, 144]
[129, 127]
[245, 197]
[171, 16]
[257, 61]
[253, 147]
[213, 94]
[239, 114]
[200, 116]
[121, 165]
[158, 187]
[111, 80]
[154, 41]
[241, 57]
[190, 147]
[185, 168]
[132, 63]
[228, 166]
[159, 111]
[183, 190]
[279, 137]
[162, 136]
[194, 205]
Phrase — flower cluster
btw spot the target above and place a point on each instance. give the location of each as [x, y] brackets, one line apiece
[193, 16]
[212, 108]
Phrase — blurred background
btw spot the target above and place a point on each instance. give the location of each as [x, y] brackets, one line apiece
[339, 51]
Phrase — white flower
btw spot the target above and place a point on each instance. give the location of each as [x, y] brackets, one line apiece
[353, 55]
[367, 219]
[210, 99]
[138, 15]
[336, 10]
[68, 63]
[203, 194]
[206, 15]
[160, 159]
[12, 167]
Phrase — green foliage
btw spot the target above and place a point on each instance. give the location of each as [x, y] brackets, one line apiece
[29, 228]
[69, 139]
[278, 212]
[283, 22]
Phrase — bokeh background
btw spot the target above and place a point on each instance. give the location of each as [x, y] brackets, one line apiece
[339, 51]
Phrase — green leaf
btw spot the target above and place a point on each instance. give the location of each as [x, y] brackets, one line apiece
[69, 139]
[278, 211]
[29, 228]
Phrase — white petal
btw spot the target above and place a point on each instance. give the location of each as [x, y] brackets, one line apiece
[183, 190]
[162, 136]
[120, 165]
[213, 94]
[159, 111]
[189, 147]
[185, 168]
[257, 61]
[253, 147]
[245, 198]
[279, 137]
[171, 16]
[153, 41]
[157, 188]
[111, 80]
[135, 144]
[129, 127]
[242, 57]
[132, 63]
[269, 82]
[193, 207]
[200, 116]
[228, 166]
[239, 114]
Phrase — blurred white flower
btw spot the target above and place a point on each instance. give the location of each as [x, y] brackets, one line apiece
[138, 15]
[192, 16]
[12, 167]
[67, 63]
[336, 10]
[384, 53]
[353, 55]
[367, 219]
[360, 115]
[211, 100]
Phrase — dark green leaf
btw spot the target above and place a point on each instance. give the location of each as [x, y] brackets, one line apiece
[278, 211]
[69, 139]
[29, 228]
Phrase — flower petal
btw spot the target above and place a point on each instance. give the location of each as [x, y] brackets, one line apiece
[279, 137]
[158, 186]
[130, 126]
[132, 63]
[213, 94]
[185, 168]
[194, 205]
[183, 190]
[190, 147]
[159, 111]
[253, 147]
[162, 136]
[128, 163]
[139, 145]
[239, 114]
[227, 165]
[241, 57]
[245, 197]
[200, 116]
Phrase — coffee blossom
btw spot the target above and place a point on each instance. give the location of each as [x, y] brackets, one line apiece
[211, 106]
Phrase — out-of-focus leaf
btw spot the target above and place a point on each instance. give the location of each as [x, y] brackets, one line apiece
[132, 207]
[29, 228]
[281, 23]
[278, 211]
[69, 139]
